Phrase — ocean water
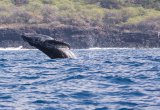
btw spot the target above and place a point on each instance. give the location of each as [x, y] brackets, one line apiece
[98, 79]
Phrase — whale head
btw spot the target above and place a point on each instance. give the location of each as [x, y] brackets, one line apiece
[36, 39]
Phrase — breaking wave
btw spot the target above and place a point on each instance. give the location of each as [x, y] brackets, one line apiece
[14, 48]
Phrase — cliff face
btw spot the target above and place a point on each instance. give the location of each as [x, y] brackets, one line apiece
[80, 37]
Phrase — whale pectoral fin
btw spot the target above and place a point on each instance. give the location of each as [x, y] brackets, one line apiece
[57, 44]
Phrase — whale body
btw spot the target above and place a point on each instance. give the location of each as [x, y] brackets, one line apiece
[51, 47]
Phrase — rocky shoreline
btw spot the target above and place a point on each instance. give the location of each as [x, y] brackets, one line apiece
[81, 37]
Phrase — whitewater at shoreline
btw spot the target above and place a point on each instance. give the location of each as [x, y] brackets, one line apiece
[92, 48]
[14, 48]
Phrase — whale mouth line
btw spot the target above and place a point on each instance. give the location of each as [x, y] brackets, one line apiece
[51, 47]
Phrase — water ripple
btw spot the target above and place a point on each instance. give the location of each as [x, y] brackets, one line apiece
[105, 79]
[119, 80]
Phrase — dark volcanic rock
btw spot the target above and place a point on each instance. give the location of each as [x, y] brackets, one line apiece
[80, 37]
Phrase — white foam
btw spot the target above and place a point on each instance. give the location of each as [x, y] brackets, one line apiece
[12, 48]
[95, 48]
[98, 48]
[15, 48]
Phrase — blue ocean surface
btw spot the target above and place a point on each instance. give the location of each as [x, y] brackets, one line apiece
[98, 79]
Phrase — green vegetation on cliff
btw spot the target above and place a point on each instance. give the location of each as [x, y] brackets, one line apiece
[82, 23]
[127, 14]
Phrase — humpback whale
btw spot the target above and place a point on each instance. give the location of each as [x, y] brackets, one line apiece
[51, 47]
